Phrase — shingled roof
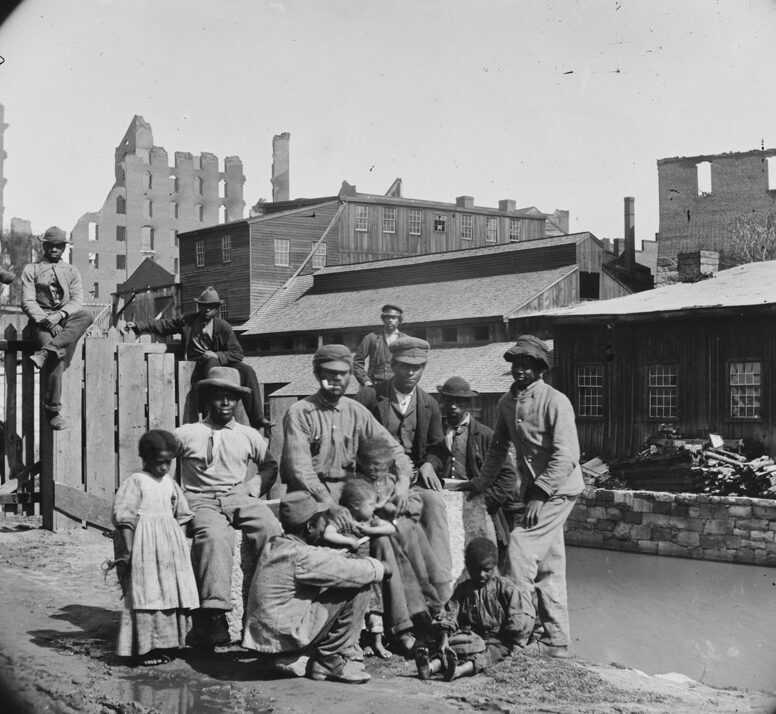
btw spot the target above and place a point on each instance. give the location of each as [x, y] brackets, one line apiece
[148, 275]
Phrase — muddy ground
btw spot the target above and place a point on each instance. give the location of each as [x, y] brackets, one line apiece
[58, 618]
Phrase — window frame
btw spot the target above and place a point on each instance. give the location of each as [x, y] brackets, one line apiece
[286, 250]
[467, 226]
[491, 221]
[319, 254]
[226, 248]
[599, 390]
[121, 205]
[514, 235]
[730, 386]
[199, 253]
[389, 224]
[121, 234]
[151, 239]
[440, 219]
[121, 257]
[650, 387]
[412, 214]
[361, 219]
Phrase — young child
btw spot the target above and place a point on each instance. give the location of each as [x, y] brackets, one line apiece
[360, 498]
[484, 620]
[152, 560]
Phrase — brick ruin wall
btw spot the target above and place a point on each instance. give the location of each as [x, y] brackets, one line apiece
[724, 528]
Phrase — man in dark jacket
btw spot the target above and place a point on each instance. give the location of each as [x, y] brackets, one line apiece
[210, 342]
[375, 347]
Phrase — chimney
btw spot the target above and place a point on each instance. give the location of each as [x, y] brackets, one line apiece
[697, 265]
[629, 249]
[618, 246]
[506, 204]
[464, 201]
[280, 167]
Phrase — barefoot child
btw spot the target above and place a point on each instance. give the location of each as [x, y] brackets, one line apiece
[360, 498]
[483, 621]
[154, 567]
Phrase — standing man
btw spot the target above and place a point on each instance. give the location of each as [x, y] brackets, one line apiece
[52, 298]
[214, 459]
[376, 348]
[413, 418]
[210, 342]
[539, 421]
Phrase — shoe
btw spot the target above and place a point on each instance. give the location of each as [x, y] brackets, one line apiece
[423, 663]
[57, 422]
[38, 358]
[556, 651]
[350, 673]
[210, 630]
[449, 663]
[294, 665]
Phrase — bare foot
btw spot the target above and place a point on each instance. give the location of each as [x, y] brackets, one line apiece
[381, 650]
[154, 658]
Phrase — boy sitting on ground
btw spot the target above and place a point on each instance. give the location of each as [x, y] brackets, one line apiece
[481, 624]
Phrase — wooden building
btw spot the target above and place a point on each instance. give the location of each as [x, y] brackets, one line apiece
[248, 260]
[150, 292]
[700, 357]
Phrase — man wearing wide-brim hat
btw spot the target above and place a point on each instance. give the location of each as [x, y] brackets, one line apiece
[214, 457]
[52, 298]
[539, 421]
[210, 342]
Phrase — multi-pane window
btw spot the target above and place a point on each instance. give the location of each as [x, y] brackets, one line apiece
[514, 230]
[362, 219]
[590, 390]
[95, 291]
[94, 260]
[199, 253]
[319, 257]
[121, 261]
[414, 221]
[282, 250]
[121, 204]
[491, 235]
[223, 310]
[467, 227]
[226, 249]
[121, 233]
[745, 390]
[94, 231]
[389, 220]
[440, 223]
[146, 239]
[662, 391]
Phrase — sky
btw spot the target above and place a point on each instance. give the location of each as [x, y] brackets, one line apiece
[556, 104]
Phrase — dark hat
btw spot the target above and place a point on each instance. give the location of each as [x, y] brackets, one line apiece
[456, 387]
[388, 309]
[298, 507]
[223, 378]
[529, 346]
[333, 357]
[209, 296]
[54, 235]
[410, 350]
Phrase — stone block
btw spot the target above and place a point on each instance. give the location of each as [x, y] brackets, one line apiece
[670, 549]
[760, 555]
[663, 533]
[688, 538]
[728, 556]
[662, 507]
[760, 511]
[661, 497]
[740, 511]
[624, 497]
[604, 496]
[632, 516]
[712, 541]
[647, 546]
[761, 535]
[641, 532]
[655, 518]
[680, 510]
[717, 526]
[732, 542]
[622, 531]
[642, 504]
[694, 524]
[589, 539]
[614, 514]
[752, 524]
[597, 512]
[741, 532]
[606, 526]
[677, 522]
[694, 511]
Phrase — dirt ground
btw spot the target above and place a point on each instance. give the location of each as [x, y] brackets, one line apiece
[58, 620]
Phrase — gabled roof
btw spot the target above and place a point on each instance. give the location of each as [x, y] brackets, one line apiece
[750, 285]
[493, 296]
[148, 275]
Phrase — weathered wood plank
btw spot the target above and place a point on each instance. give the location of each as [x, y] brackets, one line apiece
[28, 422]
[187, 399]
[78, 506]
[131, 405]
[9, 363]
[99, 417]
[162, 405]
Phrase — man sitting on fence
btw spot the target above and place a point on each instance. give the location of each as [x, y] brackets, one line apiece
[52, 297]
[210, 342]
[214, 459]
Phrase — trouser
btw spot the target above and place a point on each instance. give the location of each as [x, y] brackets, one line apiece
[61, 348]
[433, 519]
[347, 608]
[537, 561]
[215, 518]
[253, 402]
[402, 594]
[434, 580]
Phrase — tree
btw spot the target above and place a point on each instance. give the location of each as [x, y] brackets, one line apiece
[16, 253]
[752, 238]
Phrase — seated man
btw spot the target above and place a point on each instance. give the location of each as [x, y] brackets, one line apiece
[210, 342]
[214, 459]
[307, 603]
[52, 297]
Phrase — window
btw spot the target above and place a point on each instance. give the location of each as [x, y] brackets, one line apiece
[415, 221]
[199, 212]
[362, 219]
[95, 291]
[121, 233]
[467, 230]
[589, 285]
[514, 230]
[121, 204]
[481, 333]
[282, 249]
[148, 208]
[662, 393]
[389, 220]
[121, 262]
[491, 235]
[745, 389]
[198, 185]
[226, 249]
[199, 253]
[174, 238]
[149, 181]
[440, 223]
[94, 260]
[146, 239]
[94, 231]
[223, 310]
[319, 257]
[449, 334]
[770, 164]
[174, 209]
[590, 390]
[703, 171]
[175, 266]
[173, 184]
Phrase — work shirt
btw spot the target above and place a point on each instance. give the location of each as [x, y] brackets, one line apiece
[321, 442]
[214, 458]
[50, 287]
[456, 440]
[376, 348]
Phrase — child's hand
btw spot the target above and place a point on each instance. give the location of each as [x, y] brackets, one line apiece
[354, 543]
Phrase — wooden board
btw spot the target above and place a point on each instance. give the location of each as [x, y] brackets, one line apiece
[78, 506]
[28, 421]
[162, 406]
[131, 405]
[99, 417]
[10, 413]
[187, 411]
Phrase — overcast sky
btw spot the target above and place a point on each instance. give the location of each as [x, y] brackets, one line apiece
[555, 104]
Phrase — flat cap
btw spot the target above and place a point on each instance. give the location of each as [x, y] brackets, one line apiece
[410, 350]
[54, 235]
[333, 357]
[529, 346]
[298, 507]
[389, 309]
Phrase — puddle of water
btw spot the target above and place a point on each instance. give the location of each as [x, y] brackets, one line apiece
[714, 622]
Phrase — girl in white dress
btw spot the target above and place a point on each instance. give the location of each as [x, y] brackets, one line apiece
[152, 559]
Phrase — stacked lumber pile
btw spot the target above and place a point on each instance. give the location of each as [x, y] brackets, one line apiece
[726, 473]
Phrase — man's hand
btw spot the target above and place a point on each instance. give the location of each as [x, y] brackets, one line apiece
[341, 517]
[458, 485]
[532, 511]
[400, 496]
[209, 354]
[53, 318]
[129, 327]
[427, 477]
[56, 329]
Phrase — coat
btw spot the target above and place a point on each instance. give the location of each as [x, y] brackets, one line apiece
[36, 294]
[374, 347]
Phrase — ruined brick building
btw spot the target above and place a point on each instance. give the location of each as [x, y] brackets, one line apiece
[149, 203]
[3, 155]
[710, 203]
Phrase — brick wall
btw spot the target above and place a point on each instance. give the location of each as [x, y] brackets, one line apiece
[726, 528]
